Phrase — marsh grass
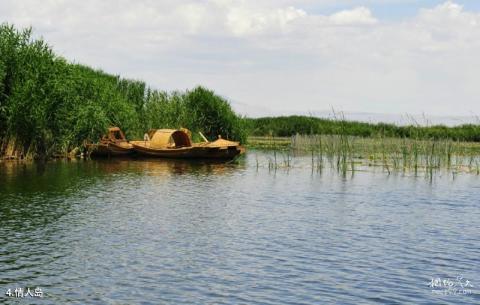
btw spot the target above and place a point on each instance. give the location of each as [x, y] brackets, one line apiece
[348, 154]
[394, 154]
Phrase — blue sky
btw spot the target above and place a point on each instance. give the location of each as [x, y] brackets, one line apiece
[403, 9]
[386, 10]
[278, 56]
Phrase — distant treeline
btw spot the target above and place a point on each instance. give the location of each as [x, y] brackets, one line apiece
[49, 106]
[291, 125]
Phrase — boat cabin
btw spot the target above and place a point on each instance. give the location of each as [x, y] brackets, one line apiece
[114, 134]
[169, 138]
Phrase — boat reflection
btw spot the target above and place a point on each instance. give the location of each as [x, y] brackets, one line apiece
[61, 175]
[37, 194]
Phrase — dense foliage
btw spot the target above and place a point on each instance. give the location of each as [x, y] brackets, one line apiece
[199, 110]
[291, 125]
[50, 106]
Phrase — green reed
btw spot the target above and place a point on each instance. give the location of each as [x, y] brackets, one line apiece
[49, 107]
[392, 154]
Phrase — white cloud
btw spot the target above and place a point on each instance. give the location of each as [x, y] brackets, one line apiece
[243, 21]
[276, 55]
[195, 17]
[446, 11]
[356, 16]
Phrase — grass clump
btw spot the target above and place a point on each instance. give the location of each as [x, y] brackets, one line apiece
[392, 154]
[49, 106]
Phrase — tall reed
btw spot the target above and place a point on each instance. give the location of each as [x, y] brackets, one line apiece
[49, 106]
[392, 154]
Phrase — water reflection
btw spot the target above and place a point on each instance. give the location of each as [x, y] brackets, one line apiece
[39, 193]
[60, 175]
[159, 231]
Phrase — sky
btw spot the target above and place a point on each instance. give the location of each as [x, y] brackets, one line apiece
[276, 57]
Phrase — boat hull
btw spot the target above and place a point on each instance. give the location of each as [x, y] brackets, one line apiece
[192, 152]
[110, 150]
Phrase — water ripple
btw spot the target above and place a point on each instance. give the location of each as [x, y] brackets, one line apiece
[153, 232]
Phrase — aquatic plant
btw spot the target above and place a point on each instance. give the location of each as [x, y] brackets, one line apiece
[49, 106]
[392, 154]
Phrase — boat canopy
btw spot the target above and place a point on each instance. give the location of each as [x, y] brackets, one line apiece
[169, 138]
[114, 134]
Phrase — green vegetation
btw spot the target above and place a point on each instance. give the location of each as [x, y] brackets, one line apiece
[350, 153]
[349, 146]
[49, 106]
[291, 125]
[198, 110]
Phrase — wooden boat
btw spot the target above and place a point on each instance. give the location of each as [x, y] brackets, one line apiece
[173, 143]
[218, 149]
[113, 144]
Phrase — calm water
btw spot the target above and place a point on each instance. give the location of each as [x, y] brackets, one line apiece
[157, 232]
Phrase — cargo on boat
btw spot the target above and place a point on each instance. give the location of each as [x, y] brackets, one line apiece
[113, 144]
[177, 143]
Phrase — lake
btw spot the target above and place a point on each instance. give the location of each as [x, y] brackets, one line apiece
[176, 232]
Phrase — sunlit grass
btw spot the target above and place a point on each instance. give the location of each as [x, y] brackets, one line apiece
[348, 154]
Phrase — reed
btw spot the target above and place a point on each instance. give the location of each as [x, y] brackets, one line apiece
[49, 106]
[392, 154]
